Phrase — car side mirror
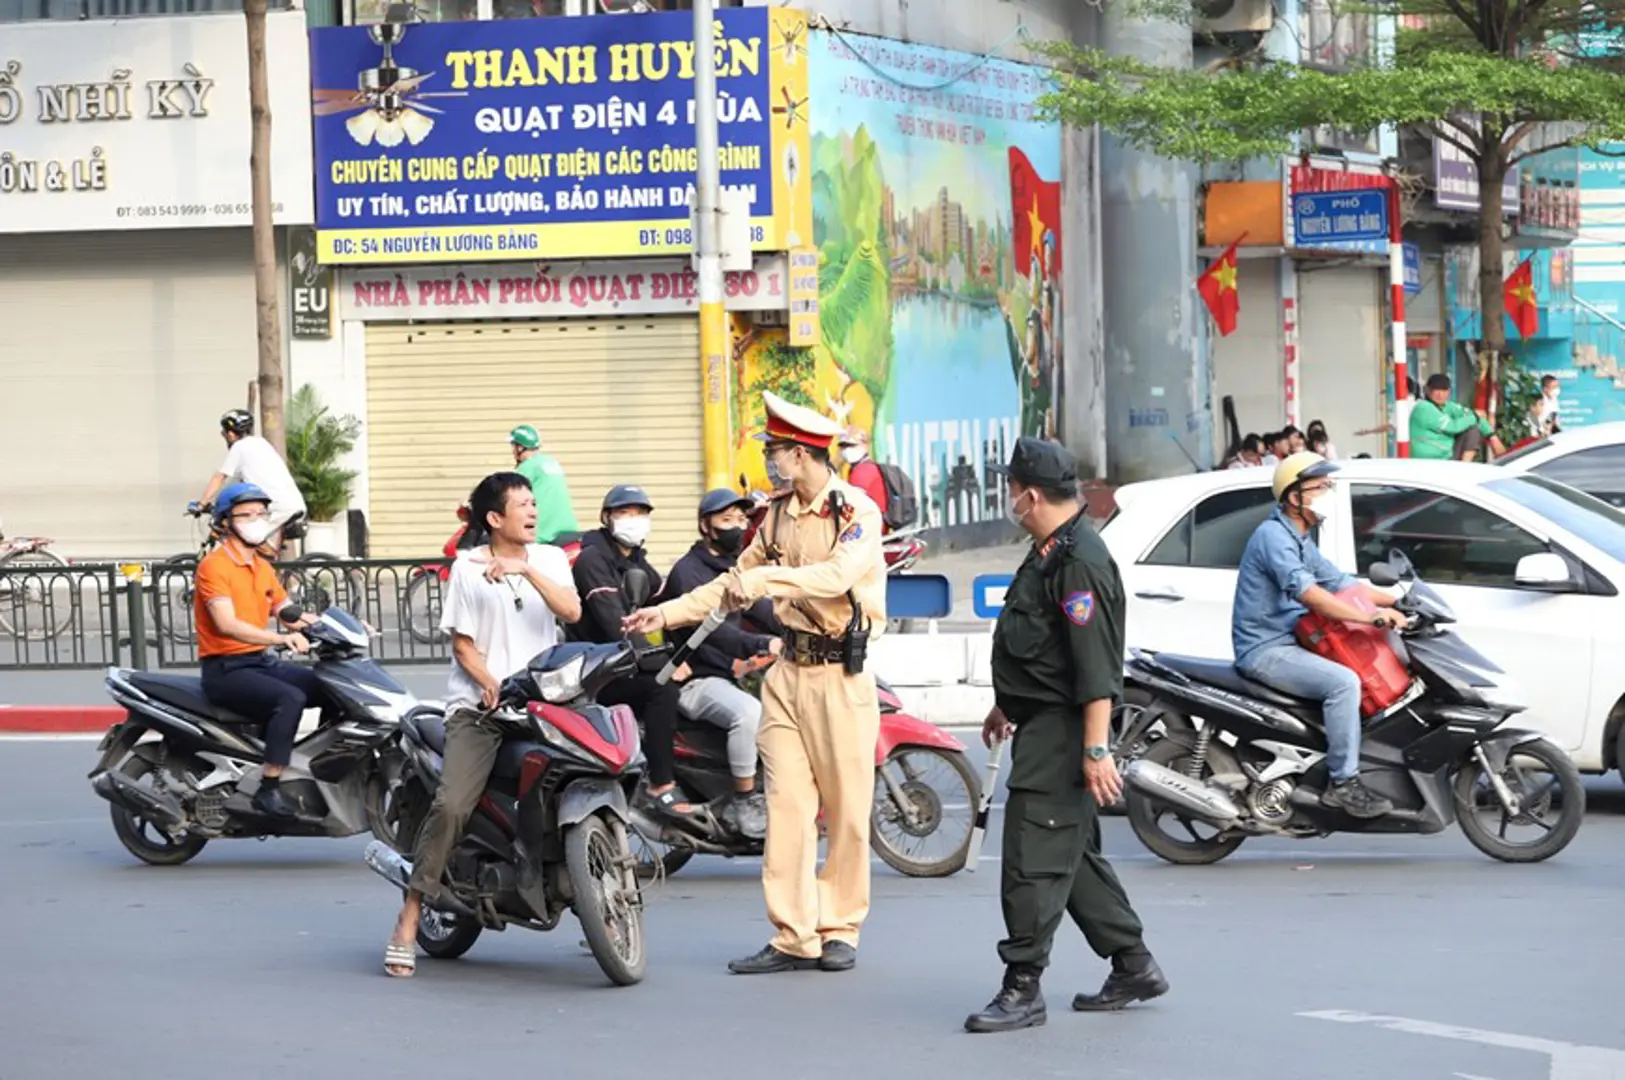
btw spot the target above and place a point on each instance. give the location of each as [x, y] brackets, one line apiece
[636, 587]
[1545, 571]
[1382, 575]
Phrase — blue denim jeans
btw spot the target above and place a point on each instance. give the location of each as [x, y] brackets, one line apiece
[1301, 673]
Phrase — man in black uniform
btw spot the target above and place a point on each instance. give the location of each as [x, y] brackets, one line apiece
[1057, 670]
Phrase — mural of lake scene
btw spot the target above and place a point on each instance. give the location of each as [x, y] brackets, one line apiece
[936, 213]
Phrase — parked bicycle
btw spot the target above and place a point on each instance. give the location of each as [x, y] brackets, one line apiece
[25, 586]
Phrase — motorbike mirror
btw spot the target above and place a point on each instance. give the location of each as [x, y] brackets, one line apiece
[1383, 576]
[636, 587]
[1401, 563]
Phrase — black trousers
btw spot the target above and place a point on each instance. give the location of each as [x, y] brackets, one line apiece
[1052, 861]
[1470, 440]
[656, 706]
[262, 688]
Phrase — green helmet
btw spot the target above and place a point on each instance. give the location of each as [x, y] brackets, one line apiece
[525, 437]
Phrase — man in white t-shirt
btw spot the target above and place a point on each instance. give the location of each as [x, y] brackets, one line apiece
[252, 460]
[503, 606]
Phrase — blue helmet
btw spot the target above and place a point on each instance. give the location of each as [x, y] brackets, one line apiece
[715, 502]
[233, 495]
[624, 495]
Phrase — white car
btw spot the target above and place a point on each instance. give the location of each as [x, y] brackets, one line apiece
[1466, 528]
[1589, 458]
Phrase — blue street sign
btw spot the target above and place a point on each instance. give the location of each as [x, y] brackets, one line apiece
[987, 594]
[919, 596]
[1413, 269]
[1341, 220]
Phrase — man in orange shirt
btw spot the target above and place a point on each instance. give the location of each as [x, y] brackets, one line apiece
[236, 594]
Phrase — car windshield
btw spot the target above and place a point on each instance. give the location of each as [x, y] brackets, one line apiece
[1592, 520]
[1523, 452]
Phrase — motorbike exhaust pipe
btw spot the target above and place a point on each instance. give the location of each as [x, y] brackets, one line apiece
[389, 864]
[164, 811]
[1181, 792]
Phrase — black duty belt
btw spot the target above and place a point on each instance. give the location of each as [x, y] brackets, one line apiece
[809, 649]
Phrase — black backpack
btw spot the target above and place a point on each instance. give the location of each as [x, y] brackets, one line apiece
[902, 503]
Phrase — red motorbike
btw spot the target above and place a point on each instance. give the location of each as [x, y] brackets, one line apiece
[425, 586]
[926, 793]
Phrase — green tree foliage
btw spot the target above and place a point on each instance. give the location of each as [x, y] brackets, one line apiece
[1520, 66]
[316, 441]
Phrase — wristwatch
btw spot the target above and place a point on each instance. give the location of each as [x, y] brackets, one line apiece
[1097, 753]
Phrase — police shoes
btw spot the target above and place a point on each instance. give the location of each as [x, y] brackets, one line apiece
[838, 956]
[1019, 1004]
[1123, 988]
[771, 961]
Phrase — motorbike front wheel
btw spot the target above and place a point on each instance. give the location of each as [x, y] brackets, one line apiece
[1551, 802]
[943, 793]
[1205, 844]
[604, 883]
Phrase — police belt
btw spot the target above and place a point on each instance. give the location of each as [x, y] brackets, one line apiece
[810, 649]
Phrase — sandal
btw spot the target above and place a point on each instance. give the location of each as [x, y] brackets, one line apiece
[400, 961]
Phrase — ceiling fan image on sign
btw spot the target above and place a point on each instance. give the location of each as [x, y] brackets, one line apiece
[389, 97]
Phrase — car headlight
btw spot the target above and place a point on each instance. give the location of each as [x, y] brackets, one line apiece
[562, 684]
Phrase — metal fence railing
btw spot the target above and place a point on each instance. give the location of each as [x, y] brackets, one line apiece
[92, 616]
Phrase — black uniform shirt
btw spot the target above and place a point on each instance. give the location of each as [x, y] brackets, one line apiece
[1059, 639]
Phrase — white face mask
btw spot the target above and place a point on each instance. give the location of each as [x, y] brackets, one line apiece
[632, 531]
[852, 454]
[1015, 515]
[1322, 505]
[253, 533]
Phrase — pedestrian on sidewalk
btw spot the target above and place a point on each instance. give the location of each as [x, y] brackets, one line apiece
[1057, 671]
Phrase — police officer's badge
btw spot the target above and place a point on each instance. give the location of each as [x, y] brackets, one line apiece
[1079, 607]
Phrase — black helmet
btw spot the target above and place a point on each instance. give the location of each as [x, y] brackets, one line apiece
[623, 495]
[715, 502]
[238, 422]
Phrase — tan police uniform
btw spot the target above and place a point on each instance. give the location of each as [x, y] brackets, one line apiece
[819, 723]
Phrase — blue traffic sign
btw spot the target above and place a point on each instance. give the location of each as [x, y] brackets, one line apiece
[1413, 269]
[1341, 220]
[987, 594]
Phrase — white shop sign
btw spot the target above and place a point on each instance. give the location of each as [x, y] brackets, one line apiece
[144, 123]
[551, 290]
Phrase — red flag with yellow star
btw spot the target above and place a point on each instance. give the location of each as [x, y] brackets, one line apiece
[1217, 284]
[1518, 295]
[1035, 210]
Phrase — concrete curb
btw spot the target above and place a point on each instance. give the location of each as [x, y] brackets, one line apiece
[58, 719]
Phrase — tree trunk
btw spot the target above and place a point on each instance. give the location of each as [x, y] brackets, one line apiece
[1492, 170]
[267, 319]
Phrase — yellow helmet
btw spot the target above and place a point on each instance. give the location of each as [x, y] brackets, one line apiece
[1296, 468]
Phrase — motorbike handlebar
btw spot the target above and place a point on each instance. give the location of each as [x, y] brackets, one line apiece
[695, 640]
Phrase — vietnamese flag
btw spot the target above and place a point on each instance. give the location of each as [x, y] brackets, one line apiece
[1217, 284]
[1518, 295]
[1035, 208]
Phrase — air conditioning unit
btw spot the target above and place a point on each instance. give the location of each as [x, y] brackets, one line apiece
[1233, 16]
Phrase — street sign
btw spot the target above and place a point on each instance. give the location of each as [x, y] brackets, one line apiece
[1413, 269]
[919, 596]
[987, 594]
[1340, 220]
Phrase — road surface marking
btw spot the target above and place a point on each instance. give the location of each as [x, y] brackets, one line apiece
[1570, 1061]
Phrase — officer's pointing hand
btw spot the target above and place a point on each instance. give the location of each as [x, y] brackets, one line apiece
[643, 621]
[1102, 780]
[995, 728]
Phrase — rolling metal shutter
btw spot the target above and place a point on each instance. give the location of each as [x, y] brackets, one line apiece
[1342, 348]
[617, 402]
[118, 353]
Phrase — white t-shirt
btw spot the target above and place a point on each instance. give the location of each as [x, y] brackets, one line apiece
[508, 637]
[252, 460]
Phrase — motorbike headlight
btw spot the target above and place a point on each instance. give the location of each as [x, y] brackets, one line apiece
[562, 684]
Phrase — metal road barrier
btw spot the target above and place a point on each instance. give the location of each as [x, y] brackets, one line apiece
[60, 617]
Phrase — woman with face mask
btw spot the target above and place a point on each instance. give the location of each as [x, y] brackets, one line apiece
[235, 596]
[607, 557]
[862, 473]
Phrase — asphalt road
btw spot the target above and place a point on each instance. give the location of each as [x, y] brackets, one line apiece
[1396, 957]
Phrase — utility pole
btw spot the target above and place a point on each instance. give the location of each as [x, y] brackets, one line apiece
[708, 247]
[267, 317]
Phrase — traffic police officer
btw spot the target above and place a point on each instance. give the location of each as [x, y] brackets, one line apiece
[1057, 670]
[817, 556]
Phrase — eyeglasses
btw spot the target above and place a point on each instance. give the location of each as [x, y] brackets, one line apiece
[261, 515]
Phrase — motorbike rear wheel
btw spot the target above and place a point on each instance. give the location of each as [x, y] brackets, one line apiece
[445, 936]
[890, 833]
[604, 883]
[1145, 815]
[1562, 792]
[141, 837]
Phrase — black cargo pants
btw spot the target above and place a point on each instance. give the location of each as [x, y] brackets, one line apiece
[1052, 860]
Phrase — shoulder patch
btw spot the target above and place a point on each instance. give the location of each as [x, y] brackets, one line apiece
[1079, 607]
[854, 533]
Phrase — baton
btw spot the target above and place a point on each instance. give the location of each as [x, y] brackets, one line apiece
[979, 833]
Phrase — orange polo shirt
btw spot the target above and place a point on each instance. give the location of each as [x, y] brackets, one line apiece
[251, 587]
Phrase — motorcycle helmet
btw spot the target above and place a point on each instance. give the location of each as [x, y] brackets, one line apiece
[623, 495]
[715, 502]
[525, 437]
[238, 422]
[234, 495]
[1296, 468]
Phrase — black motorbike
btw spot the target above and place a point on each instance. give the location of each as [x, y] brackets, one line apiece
[180, 772]
[550, 833]
[1237, 759]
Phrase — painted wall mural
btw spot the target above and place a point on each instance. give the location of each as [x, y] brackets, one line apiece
[937, 218]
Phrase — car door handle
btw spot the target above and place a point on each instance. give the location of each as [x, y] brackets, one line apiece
[1160, 594]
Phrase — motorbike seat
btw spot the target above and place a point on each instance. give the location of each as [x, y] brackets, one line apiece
[430, 726]
[1223, 674]
[185, 692]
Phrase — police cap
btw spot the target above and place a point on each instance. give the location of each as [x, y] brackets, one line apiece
[1040, 464]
